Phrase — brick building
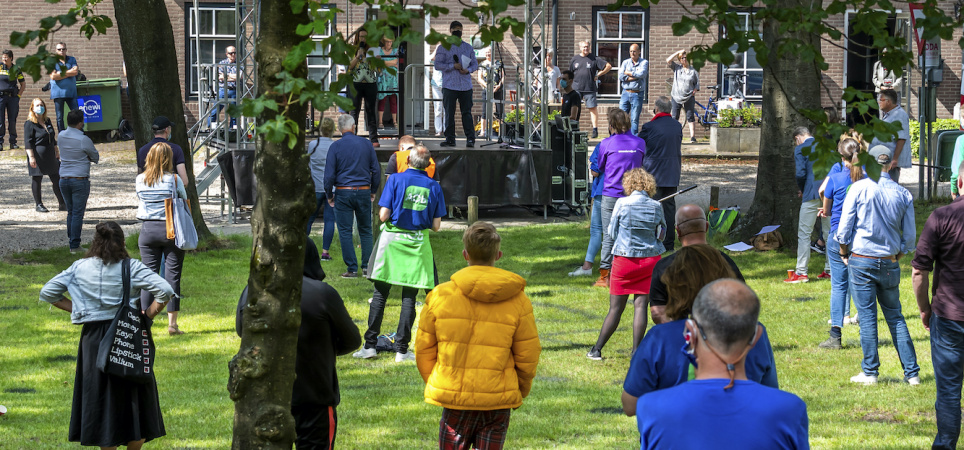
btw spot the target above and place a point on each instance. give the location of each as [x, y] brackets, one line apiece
[570, 21]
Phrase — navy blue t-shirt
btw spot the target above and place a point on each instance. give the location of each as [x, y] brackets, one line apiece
[701, 414]
[414, 198]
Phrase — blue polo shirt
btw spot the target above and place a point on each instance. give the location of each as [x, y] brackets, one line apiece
[66, 88]
[414, 198]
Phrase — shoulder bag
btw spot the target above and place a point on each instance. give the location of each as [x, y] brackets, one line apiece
[177, 216]
[127, 350]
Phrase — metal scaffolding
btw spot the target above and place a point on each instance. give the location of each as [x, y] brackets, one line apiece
[536, 98]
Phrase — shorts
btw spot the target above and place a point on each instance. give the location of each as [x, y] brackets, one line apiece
[588, 99]
[631, 275]
[689, 106]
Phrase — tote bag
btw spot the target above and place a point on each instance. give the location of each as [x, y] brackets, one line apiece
[180, 225]
[127, 350]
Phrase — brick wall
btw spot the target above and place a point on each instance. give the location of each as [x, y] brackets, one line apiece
[101, 56]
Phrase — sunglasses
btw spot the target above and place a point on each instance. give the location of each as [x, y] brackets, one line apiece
[231, 53]
[61, 49]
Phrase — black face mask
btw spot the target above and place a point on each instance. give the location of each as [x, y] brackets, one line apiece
[457, 33]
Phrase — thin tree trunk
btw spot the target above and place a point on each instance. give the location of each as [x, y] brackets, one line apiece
[788, 82]
[262, 373]
[155, 85]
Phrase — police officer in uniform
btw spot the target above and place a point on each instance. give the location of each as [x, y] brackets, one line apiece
[12, 85]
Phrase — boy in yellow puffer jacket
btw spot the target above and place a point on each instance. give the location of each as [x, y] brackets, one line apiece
[477, 346]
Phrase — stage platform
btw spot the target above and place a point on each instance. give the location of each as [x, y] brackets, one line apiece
[498, 176]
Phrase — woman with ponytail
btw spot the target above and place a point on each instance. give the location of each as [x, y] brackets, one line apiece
[153, 186]
[834, 194]
[107, 411]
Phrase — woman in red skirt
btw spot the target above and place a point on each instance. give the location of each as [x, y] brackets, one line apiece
[637, 228]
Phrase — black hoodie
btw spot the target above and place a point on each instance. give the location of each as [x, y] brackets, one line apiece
[326, 331]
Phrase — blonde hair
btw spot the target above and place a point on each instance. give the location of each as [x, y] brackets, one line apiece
[482, 242]
[158, 162]
[32, 116]
[849, 150]
[327, 127]
[407, 139]
[639, 179]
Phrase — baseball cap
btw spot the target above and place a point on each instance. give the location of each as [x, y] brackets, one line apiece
[161, 123]
[881, 154]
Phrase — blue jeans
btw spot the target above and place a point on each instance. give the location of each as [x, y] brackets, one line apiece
[872, 282]
[75, 196]
[59, 106]
[329, 213]
[608, 203]
[632, 103]
[947, 354]
[595, 230]
[357, 205]
[839, 284]
[231, 93]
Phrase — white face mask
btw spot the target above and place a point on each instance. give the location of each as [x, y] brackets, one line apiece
[38, 109]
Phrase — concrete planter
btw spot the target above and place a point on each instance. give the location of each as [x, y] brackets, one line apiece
[735, 140]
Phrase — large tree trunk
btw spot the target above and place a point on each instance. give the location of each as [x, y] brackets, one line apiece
[155, 85]
[262, 373]
[789, 84]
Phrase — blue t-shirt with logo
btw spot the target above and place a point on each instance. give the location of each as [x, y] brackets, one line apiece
[414, 198]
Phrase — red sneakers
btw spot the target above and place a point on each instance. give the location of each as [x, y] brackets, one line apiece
[823, 276]
[796, 278]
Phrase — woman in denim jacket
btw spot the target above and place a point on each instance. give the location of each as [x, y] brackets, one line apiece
[637, 228]
[154, 186]
[107, 411]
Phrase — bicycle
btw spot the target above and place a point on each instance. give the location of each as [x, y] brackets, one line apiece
[708, 116]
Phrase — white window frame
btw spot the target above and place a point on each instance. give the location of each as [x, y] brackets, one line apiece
[724, 90]
[212, 38]
[319, 60]
[621, 41]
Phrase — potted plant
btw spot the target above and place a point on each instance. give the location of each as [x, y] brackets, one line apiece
[737, 130]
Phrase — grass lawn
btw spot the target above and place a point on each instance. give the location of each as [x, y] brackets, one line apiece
[574, 401]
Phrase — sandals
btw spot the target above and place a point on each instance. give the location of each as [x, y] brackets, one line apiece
[174, 331]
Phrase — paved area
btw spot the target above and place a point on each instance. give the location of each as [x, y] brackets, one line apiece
[112, 198]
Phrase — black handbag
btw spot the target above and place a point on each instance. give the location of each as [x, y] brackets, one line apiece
[127, 350]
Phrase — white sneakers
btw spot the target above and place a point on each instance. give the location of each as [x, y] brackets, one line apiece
[847, 320]
[367, 353]
[580, 272]
[863, 378]
[364, 353]
[913, 381]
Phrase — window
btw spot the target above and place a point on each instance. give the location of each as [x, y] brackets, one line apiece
[613, 34]
[319, 64]
[744, 69]
[214, 33]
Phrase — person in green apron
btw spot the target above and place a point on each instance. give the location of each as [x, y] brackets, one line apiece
[411, 204]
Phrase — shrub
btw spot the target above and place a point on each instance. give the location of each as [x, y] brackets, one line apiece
[939, 124]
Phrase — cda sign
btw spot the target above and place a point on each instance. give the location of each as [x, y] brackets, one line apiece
[92, 108]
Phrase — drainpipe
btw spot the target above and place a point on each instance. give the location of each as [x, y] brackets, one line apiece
[555, 31]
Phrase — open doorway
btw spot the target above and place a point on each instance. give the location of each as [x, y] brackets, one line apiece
[398, 115]
[860, 59]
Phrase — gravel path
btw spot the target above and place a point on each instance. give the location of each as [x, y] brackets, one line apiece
[112, 198]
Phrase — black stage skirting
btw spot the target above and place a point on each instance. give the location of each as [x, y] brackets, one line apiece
[498, 176]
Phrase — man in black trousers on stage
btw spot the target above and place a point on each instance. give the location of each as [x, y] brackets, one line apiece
[456, 63]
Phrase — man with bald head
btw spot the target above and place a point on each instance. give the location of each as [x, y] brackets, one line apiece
[720, 405]
[691, 227]
[632, 80]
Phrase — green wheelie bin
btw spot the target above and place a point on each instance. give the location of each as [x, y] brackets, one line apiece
[101, 101]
